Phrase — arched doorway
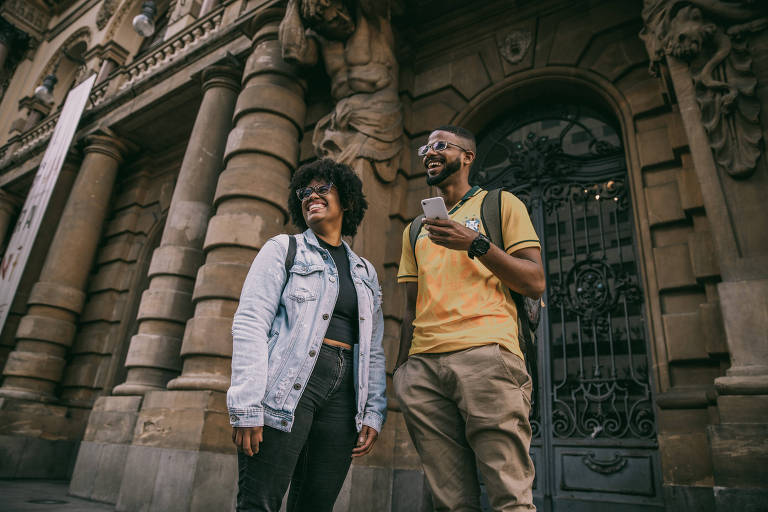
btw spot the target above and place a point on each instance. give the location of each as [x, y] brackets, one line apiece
[594, 426]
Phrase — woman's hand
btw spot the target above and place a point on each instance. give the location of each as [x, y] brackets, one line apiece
[247, 439]
[365, 440]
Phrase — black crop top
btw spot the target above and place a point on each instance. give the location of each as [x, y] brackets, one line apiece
[344, 325]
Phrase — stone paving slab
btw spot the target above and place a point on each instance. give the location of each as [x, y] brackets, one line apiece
[43, 496]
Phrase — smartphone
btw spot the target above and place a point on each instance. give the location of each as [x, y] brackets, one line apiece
[434, 208]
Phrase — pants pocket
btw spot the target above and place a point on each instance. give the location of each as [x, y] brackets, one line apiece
[515, 370]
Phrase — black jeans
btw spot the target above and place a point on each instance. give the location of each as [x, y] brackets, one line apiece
[315, 455]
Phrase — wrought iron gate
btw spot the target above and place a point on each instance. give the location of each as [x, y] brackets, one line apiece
[594, 429]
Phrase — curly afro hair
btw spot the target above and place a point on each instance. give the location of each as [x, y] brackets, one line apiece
[348, 185]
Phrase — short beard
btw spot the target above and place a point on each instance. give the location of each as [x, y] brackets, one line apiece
[450, 168]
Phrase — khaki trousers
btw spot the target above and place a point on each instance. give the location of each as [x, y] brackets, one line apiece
[468, 410]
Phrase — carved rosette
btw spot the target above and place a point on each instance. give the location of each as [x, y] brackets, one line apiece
[712, 37]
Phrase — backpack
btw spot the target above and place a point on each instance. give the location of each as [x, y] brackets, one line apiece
[528, 309]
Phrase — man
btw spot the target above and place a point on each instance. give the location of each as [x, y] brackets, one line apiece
[460, 375]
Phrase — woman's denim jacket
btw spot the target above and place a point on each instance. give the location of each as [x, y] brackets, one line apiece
[279, 327]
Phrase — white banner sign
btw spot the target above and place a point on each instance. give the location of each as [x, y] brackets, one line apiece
[28, 224]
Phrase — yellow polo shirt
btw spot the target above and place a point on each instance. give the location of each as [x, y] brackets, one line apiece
[460, 303]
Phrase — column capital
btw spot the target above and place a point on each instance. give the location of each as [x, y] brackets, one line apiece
[222, 75]
[107, 142]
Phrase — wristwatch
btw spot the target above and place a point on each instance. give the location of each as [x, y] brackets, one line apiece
[479, 246]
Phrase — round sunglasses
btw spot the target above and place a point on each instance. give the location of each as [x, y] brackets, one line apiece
[321, 190]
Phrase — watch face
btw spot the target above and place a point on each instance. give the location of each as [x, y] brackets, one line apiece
[480, 245]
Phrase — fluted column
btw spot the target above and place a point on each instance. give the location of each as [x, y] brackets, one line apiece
[261, 152]
[153, 357]
[45, 333]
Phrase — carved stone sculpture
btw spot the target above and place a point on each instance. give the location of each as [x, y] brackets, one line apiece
[357, 46]
[105, 12]
[711, 35]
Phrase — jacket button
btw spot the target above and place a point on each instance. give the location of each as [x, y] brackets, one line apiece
[297, 386]
[325, 316]
[362, 318]
[284, 423]
[332, 279]
[312, 353]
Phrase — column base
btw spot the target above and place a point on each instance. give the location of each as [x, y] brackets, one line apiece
[740, 459]
[101, 459]
[38, 440]
[128, 389]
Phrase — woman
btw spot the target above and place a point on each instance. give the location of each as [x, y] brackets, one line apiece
[308, 377]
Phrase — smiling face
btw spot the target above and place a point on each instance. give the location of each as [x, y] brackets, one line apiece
[318, 210]
[441, 165]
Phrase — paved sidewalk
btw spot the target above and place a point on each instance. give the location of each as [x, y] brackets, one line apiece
[43, 496]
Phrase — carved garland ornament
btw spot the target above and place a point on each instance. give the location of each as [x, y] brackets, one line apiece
[711, 36]
[105, 13]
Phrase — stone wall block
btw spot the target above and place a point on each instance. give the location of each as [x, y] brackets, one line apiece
[84, 371]
[58, 296]
[215, 481]
[175, 260]
[244, 229]
[643, 92]
[106, 306]
[616, 57]
[740, 461]
[95, 338]
[685, 458]
[272, 179]
[45, 328]
[673, 267]
[703, 255]
[664, 204]
[469, 75]
[432, 79]
[112, 276]
[269, 134]
[154, 350]
[217, 433]
[690, 190]
[434, 110]
[220, 281]
[685, 337]
[164, 304]
[34, 365]
[208, 335]
[743, 409]
[712, 328]
[271, 99]
[124, 247]
[745, 314]
[654, 147]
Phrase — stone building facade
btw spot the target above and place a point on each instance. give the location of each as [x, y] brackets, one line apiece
[634, 131]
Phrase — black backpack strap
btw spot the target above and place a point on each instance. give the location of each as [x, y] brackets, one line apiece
[290, 255]
[413, 234]
[490, 215]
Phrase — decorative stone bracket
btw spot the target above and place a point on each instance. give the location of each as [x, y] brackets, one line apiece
[712, 37]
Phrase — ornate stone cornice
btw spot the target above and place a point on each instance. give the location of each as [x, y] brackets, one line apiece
[712, 36]
[27, 16]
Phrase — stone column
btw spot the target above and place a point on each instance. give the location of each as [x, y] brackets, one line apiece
[187, 428]
[45, 333]
[107, 66]
[153, 357]
[261, 153]
[207, 6]
[738, 441]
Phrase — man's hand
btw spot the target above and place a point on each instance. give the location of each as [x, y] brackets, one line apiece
[450, 234]
[248, 439]
[365, 440]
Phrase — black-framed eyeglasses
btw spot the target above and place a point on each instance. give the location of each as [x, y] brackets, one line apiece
[321, 190]
[438, 145]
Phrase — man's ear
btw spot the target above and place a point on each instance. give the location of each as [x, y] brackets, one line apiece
[469, 157]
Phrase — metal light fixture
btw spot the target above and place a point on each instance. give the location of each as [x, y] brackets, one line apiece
[144, 22]
[44, 91]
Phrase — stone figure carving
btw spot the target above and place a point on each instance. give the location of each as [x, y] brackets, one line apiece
[356, 43]
[106, 11]
[515, 45]
[711, 35]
